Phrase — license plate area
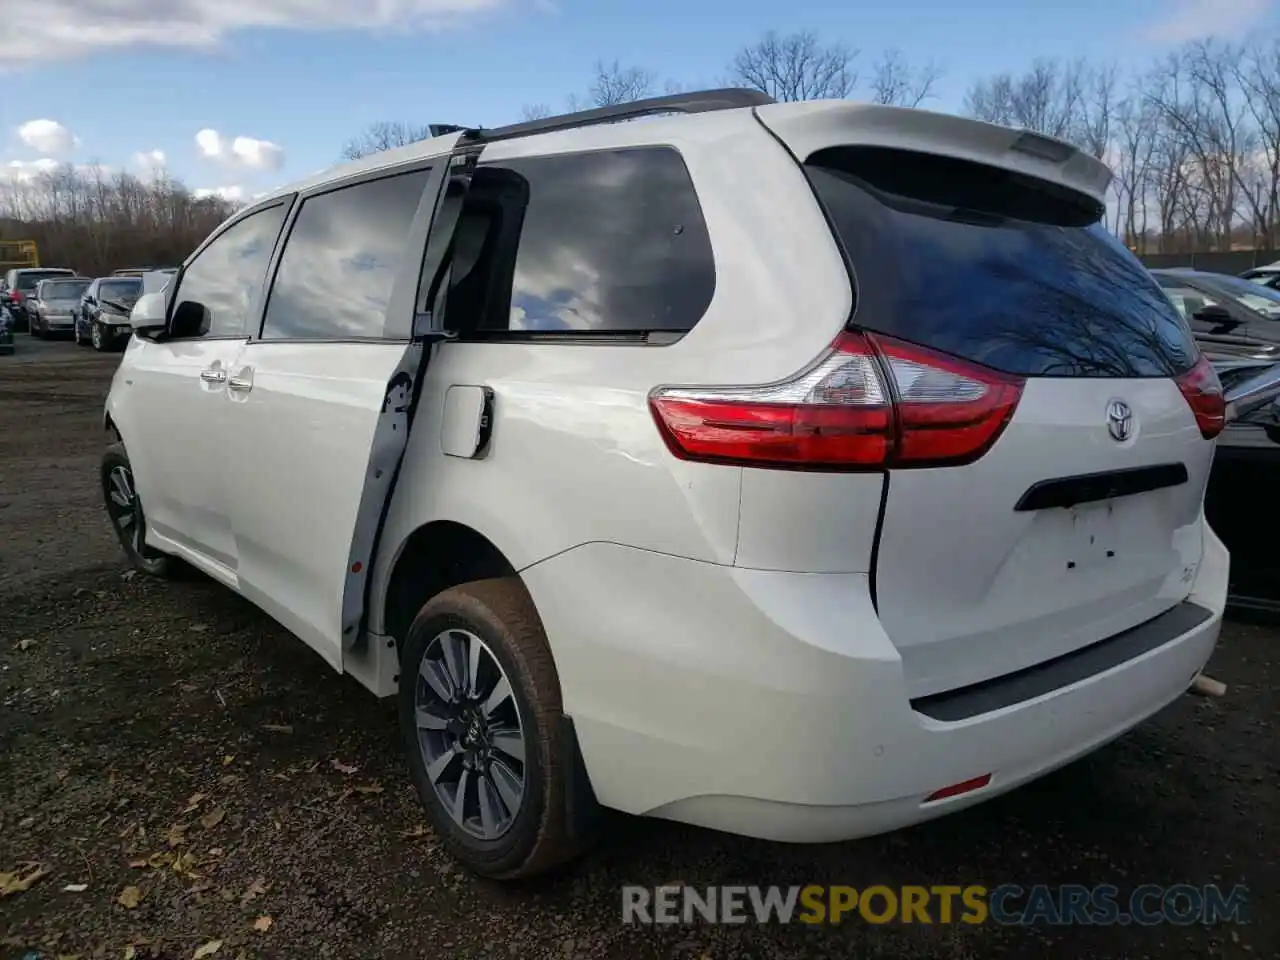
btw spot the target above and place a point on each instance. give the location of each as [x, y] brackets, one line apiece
[1091, 537]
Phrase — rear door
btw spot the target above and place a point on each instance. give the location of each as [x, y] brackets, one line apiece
[1030, 552]
[321, 398]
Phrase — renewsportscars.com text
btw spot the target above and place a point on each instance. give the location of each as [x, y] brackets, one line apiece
[1006, 904]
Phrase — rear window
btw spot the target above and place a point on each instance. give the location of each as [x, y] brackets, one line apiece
[28, 279]
[995, 268]
[64, 290]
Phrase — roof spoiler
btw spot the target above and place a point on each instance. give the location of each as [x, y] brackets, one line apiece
[809, 127]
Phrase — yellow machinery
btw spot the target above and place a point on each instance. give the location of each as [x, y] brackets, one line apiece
[18, 253]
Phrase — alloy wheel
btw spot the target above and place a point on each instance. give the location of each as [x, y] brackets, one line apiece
[470, 733]
[124, 507]
[96, 336]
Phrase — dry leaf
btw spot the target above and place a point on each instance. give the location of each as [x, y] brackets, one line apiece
[161, 859]
[21, 879]
[62, 775]
[129, 952]
[419, 831]
[185, 864]
[227, 759]
[198, 627]
[75, 888]
[262, 924]
[278, 727]
[177, 834]
[342, 767]
[139, 864]
[193, 802]
[256, 889]
[129, 897]
[207, 950]
[213, 818]
[26, 643]
[370, 789]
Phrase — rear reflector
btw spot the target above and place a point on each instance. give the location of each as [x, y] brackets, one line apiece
[871, 402]
[956, 789]
[1203, 393]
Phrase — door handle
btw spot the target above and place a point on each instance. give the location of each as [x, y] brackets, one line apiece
[213, 375]
[242, 382]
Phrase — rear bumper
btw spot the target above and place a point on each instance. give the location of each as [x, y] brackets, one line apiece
[773, 704]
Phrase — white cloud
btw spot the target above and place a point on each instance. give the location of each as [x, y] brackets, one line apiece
[24, 171]
[150, 160]
[48, 136]
[64, 29]
[1198, 19]
[240, 151]
[232, 193]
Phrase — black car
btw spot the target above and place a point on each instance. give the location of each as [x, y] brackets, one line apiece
[103, 315]
[1237, 324]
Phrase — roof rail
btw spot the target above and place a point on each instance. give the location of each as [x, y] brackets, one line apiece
[699, 101]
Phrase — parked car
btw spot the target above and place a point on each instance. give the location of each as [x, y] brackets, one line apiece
[596, 455]
[53, 305]
[20, 282]
[1268, 276]
[102, 317]
[1237, 323]
[7, 346]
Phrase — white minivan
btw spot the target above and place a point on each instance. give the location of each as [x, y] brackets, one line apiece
[800, 470]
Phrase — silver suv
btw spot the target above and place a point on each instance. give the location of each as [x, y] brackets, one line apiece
[801, 470]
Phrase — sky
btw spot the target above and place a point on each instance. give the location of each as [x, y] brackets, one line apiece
[242, 96]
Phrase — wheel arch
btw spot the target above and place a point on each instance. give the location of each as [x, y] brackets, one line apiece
[436, 556]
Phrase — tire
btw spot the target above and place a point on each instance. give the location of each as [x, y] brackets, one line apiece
[98, 337]
[500, 615]
[144, 559]
[33, 327]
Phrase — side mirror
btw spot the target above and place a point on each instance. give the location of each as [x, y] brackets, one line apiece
[147, 316]
[1253, 393]
[190, 319]
[1216, 315]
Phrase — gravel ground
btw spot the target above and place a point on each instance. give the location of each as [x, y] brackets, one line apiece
[206, 779]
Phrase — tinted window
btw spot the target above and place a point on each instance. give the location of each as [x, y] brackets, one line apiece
[227, 275]
[940, 261]
[1262, 300]
[599, 242]
[342, 259]
[28, 279]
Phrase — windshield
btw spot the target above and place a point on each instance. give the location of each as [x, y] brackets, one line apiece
[64, 289]
[119, 289]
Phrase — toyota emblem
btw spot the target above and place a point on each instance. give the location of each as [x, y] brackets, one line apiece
[1119, 420]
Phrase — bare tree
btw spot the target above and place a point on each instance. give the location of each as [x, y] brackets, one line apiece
[535, 111]
[384, 135]
[1258, 75]
[896, 83]
[95, 221]
[797, 66]
[614, 84]
[1050, 98]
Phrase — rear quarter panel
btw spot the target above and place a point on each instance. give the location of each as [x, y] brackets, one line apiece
[575, 456]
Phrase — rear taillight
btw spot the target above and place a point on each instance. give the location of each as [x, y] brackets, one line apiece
[14, 296]
[870, 403]
[1203, 393]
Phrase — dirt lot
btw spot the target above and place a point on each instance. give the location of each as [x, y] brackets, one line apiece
[166, 742]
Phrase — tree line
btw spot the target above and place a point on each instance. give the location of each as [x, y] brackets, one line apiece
[96, 221]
